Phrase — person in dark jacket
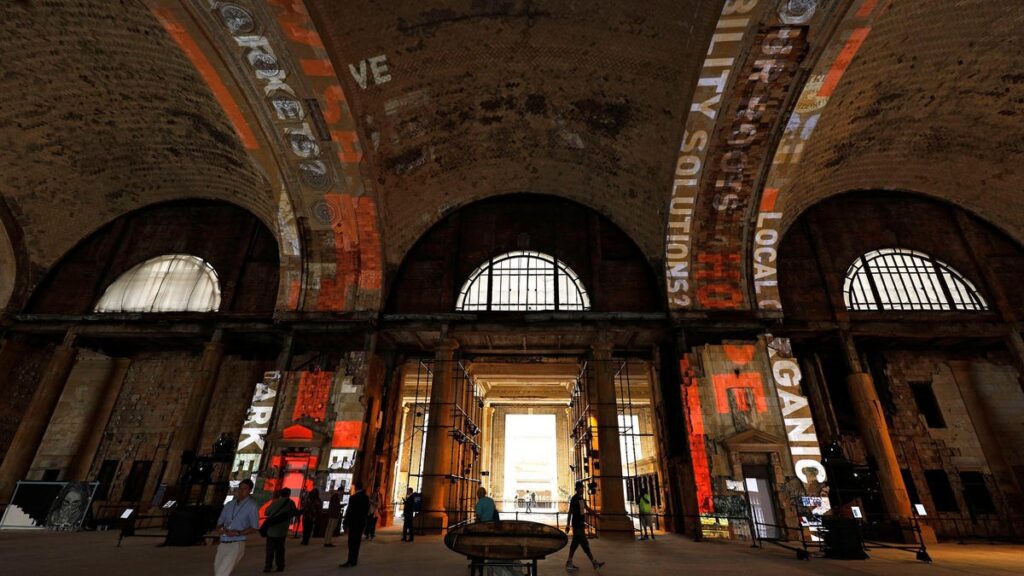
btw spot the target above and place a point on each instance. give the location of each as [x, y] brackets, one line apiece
[355, 523]
[279, 516]
[310, 512]
[408, 513]
[333, 517]
[577, 520]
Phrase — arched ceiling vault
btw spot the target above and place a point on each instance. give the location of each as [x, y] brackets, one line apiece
[701, 127]
[933, 103]
[460, 101]
[100, 114]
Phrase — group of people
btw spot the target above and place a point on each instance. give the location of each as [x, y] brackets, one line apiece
[486, 511]
[240, 519]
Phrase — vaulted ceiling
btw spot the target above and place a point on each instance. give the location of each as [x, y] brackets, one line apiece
[417, 111]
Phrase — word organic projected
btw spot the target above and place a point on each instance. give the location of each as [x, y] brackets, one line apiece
[800, 434]
[252, 440]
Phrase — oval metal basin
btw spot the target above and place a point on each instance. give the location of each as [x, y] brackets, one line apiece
[506, 540]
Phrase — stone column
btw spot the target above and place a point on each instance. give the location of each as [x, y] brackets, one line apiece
[485, 450]
[190, 429]
[438, 459]
[612, 520]
[78, 469]
[875, 433]
[37, 416]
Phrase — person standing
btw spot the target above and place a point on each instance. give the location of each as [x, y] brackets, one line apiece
[333, 517]
[485, 509]
[408, 513]
[279, 516]
[371, 518]
[645, 515]
[577, 519]
[355, 522]
[237, 520]
[311, 508]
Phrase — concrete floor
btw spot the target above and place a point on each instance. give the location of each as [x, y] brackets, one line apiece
[40, 553]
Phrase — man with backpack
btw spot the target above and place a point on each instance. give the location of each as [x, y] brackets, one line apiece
[275, 528]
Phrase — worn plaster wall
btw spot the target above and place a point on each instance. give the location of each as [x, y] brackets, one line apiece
[27, 363]
[980, 401]
[83, 392]
[152, 402]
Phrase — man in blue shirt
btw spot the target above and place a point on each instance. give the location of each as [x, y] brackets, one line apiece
[485, 509]
[237, 520]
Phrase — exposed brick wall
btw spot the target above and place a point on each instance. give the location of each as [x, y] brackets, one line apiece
[957, 447]
[929, 104]
[152, 402]
[585, 101]
[102, 113]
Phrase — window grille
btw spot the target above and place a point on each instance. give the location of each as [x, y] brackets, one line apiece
[169, 283]
[901, 279]
[523, 281]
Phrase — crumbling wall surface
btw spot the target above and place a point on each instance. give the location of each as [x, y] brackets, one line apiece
[981, 406]
[82, 394]
[152, 402]
[231, 397]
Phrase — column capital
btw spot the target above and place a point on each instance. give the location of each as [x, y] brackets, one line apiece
[448, 344]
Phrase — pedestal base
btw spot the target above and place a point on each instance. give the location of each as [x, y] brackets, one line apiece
[431, 523]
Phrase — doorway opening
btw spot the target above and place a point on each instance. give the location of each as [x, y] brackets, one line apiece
[533, 434]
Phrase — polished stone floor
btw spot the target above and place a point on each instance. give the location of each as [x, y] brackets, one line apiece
[92, 553]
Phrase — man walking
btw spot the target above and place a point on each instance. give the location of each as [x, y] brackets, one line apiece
[279, 516]
[333, 517]
[577, 519]
[237, 520]
[408, 513]
[355, 522]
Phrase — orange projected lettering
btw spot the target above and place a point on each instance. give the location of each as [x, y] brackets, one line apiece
[314, 391]
[297, 432]
[333, 99]
[843, 61]
[294, 21]
[357, 250]
[346, 434]
[220, 91]
[696, 435]
[321, 67]
[740, 354]
[739, 384]
[349, 150]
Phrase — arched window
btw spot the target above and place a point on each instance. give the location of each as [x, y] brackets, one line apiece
[169, 283]
[523, 281]
[901, 279]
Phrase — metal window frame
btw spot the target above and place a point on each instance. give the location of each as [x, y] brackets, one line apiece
[900, 279]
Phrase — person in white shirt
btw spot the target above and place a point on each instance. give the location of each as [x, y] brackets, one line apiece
[237, 520]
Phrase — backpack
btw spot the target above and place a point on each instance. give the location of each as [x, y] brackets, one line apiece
[417, 501]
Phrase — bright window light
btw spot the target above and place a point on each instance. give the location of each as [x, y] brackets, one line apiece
[901, 279]
[523, 281]
[169, 283]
